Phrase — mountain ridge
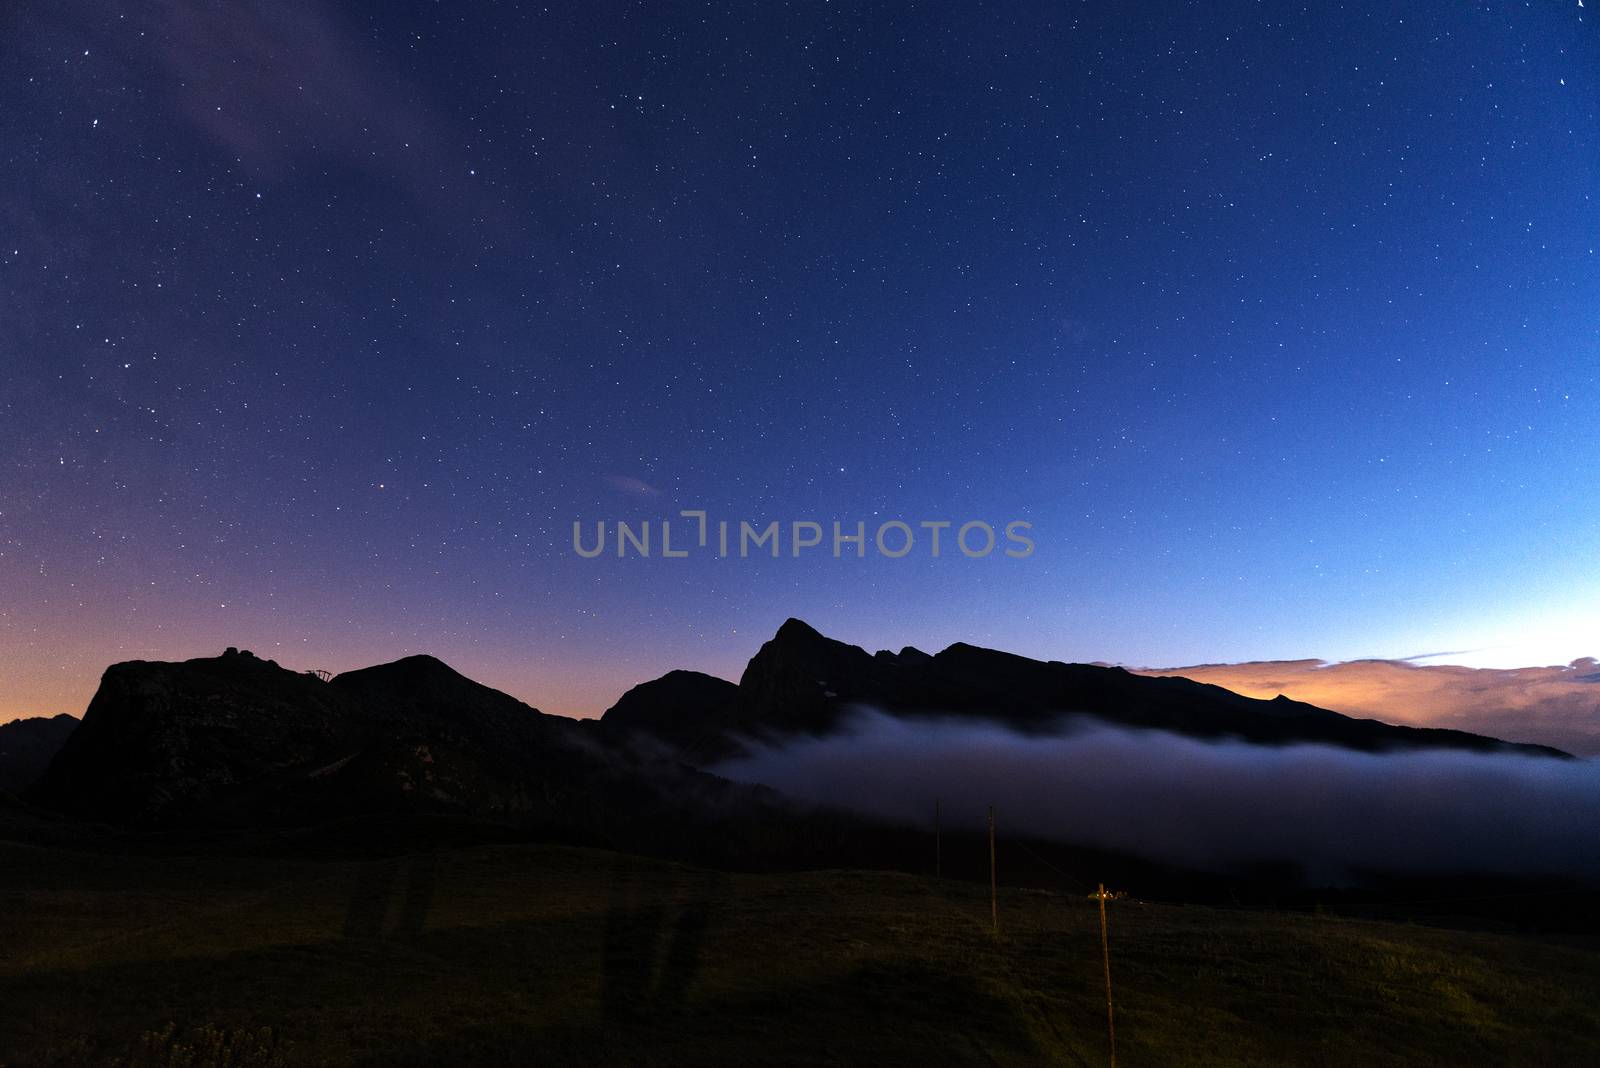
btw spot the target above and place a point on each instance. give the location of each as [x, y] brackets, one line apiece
[802, 682]
[236, 738]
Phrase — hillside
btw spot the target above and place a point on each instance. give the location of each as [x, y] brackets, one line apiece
[27, 746]
[514, 954]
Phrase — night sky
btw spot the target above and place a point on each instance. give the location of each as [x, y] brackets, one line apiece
[321, 323]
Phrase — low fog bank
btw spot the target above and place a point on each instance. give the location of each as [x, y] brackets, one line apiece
[1206, 804]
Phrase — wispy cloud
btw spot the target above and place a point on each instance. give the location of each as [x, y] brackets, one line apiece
[632, 486]
[283, 90]
[273, 83]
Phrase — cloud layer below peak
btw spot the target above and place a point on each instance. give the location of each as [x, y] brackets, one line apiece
[1212, 805]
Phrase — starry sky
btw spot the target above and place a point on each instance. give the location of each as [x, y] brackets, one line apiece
[321, 323]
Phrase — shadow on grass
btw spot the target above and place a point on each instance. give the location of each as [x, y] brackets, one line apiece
[639, 982]
[654, 937]
[376, 885]
[875, 1013]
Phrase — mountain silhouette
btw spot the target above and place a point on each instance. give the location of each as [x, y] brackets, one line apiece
[234, 739]
[803, 682]
[688, 710]
[28, 745]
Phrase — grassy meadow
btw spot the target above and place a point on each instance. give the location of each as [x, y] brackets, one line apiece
[522, 954]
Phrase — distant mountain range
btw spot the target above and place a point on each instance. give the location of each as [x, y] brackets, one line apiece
[802, 682]
[236, 739]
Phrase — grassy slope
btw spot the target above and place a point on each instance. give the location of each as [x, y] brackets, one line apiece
[539, 954]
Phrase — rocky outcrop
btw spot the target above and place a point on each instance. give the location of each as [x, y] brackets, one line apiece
[159, 738]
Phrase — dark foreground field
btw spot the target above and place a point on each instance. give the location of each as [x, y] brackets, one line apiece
[529, 954]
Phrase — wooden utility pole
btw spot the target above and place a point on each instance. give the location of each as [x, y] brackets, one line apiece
[938, 846]
[1105, 951]
[994, 893]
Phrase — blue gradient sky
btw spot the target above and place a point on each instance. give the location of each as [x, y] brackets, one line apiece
[320, 324]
